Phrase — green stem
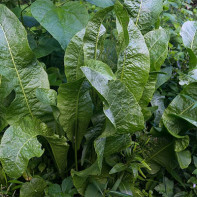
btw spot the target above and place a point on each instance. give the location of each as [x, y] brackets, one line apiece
[75, 147]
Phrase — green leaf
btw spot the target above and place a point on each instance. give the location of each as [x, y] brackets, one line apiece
[189, 35]
[94, 30]
[19, 144]
[20, 66]
[117, 97]
[144, 13]
[180, 114]
[157, 43]
[134, 62]
[67, 185]
[166, 188]
[75, 107]
[163, 78]
[181, 143]
[74, 57]
[115, 193]
[33, 188]
[184, 158]
[92, 191]
[118, 168]
[103, 3]
[122, 22]
[61, 22]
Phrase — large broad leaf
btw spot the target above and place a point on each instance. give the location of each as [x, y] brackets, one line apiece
[94, 31]
[19, 65]
[74, 57]
[157, 42]
[134, 62]
[75, 107]
[116, 98]
[181, 114]
[189, 35]
[61, 22]
[103, 3]
[145, 13]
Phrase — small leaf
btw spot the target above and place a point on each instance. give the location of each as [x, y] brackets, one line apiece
[103, 3]
[184, 158]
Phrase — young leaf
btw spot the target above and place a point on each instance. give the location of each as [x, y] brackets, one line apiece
[184, 158]
[144, 13]
[19, 65]
[75, 107]
[189, 35]
[74, 57]
[93, 33]
[61, 22]
[134, 62]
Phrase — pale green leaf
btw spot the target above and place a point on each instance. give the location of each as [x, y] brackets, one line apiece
[103, 3]
[184, 158]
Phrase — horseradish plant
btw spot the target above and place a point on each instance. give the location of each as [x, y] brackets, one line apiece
[101, 106]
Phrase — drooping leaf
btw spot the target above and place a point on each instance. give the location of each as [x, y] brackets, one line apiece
[103, 3]
[61, 22]
[118, 97]
[118, 168]
[75, 107]
[184, 158]
[33, 188]
[181, 113]
[74, 57]
[94, 30]
[134, 62]
[92, 191]
[144, 13]
[19, 144]
[189, 35]
[19, 65]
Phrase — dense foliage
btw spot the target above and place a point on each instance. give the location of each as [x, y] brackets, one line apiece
[98, 98]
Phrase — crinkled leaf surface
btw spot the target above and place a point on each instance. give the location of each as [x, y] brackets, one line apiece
[157, 42]
[19, 144]
[75, 107]
[61, 22]
[94, 30]
[181, 114]
[102, 3]
[144, 12]
[19, 65]
[134, 62]
[74, 57]
[189, 35]
[117, 97]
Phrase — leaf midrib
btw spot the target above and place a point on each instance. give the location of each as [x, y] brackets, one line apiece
[17, 73]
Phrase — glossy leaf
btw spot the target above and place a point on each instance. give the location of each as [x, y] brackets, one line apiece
[75, 107]
[144, 13]
[74, 57]
[189, 35]
[117, 96]
[94, 30]
[118, 168]
[103, 3]
[61, 22]
[19, 65]
[184, 158]
[181, 113]
[134, 62]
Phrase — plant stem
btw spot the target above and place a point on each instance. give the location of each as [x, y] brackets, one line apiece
[75, 146]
